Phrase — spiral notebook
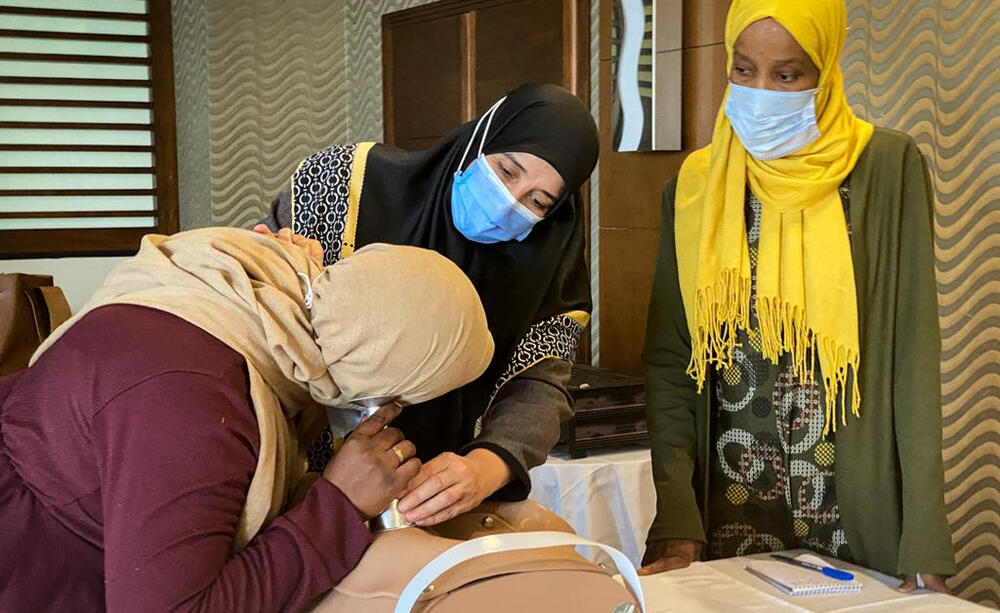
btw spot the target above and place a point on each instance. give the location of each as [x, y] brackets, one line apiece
[796, 581]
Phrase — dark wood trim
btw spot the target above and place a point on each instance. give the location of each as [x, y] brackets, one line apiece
[164, 117]
[65, 125]
[75, 81]
[388, 106]
[16, 10]
[74, 214]
[571, 46]
[112, 38]
[65, 243]
[440, 9]
[95, 148]
[579, 30]
[60, 57]
[468, 44]
[82, 170]
[87, 104]
[77, 192]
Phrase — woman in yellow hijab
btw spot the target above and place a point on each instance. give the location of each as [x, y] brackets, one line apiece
[793, 345]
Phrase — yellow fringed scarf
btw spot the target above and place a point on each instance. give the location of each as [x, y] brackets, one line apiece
[806, 296]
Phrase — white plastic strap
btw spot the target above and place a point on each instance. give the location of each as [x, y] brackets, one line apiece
[509, 542]
[488, 115]
[309, 289]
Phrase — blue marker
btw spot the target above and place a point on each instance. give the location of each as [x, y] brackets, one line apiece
[833, 573]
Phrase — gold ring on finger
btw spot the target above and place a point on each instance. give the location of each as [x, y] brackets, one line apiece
[399, 454]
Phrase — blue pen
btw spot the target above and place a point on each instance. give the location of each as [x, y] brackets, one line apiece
[833, 573]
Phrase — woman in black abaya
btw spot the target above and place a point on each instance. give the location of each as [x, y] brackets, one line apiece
[499, 196]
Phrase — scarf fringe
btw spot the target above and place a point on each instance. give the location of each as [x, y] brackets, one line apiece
[723, 310]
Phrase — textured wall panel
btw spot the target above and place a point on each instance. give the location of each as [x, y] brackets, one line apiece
[277, 93]
[364, 61]
[191, 94]
[931, 68]
[595, 183]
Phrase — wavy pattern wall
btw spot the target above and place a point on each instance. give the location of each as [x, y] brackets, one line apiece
[191, 93]
[931, 68]
[276, 93]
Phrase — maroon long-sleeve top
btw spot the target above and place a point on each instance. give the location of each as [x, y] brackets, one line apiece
[126, 452]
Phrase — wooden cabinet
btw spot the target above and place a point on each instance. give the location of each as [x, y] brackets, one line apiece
[447, 61]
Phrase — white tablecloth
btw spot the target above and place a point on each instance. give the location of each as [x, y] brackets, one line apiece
[724, 585]
[606, 497]
[609, 498]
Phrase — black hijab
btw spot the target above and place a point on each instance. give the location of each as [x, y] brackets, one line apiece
[406, 199]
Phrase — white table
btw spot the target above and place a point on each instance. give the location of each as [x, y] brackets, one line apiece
[609, 497]
[724, 585]
[606, 497]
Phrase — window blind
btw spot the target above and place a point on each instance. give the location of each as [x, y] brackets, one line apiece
[87, 151]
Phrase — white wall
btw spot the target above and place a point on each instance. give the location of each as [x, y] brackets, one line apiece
[78, 277]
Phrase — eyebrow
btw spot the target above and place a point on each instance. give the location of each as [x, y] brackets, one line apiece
[514, 161]
[788, 61]
[785, 62]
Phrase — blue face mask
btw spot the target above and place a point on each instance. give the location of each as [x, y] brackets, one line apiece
[772, 124]
[482, 208]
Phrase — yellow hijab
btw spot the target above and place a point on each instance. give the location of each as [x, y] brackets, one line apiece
[806, 295]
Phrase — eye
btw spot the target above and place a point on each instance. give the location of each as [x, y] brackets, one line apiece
[506, 172]
[741, 70]
[787, 77]
[544, 205]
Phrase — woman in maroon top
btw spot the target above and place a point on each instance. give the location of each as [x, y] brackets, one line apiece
[128, 448]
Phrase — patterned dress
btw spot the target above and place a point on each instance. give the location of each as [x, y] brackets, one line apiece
[772, 471]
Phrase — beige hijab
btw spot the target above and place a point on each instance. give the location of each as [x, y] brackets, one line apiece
[388, 320]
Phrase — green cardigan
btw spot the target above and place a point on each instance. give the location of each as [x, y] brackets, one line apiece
[889, 470]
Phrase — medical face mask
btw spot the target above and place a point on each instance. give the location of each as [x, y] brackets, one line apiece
[482, 208]
[772, 124]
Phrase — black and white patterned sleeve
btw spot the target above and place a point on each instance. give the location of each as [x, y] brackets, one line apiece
[556, 337]
[531, 400]
[321, 199]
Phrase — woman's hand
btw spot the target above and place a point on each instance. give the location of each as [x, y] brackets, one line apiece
[313, 248]
[451, 484]
[375, 464]
[669, 554]
[932, 582]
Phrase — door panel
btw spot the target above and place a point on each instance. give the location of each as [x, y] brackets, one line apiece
[520, 42]
[425, 63]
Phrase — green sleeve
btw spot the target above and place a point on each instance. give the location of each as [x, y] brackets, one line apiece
[925, 542]
[671, 395]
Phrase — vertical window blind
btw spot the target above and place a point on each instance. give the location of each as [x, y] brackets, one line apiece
[87, 128]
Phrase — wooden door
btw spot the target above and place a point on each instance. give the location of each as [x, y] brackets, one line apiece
[447, 61]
